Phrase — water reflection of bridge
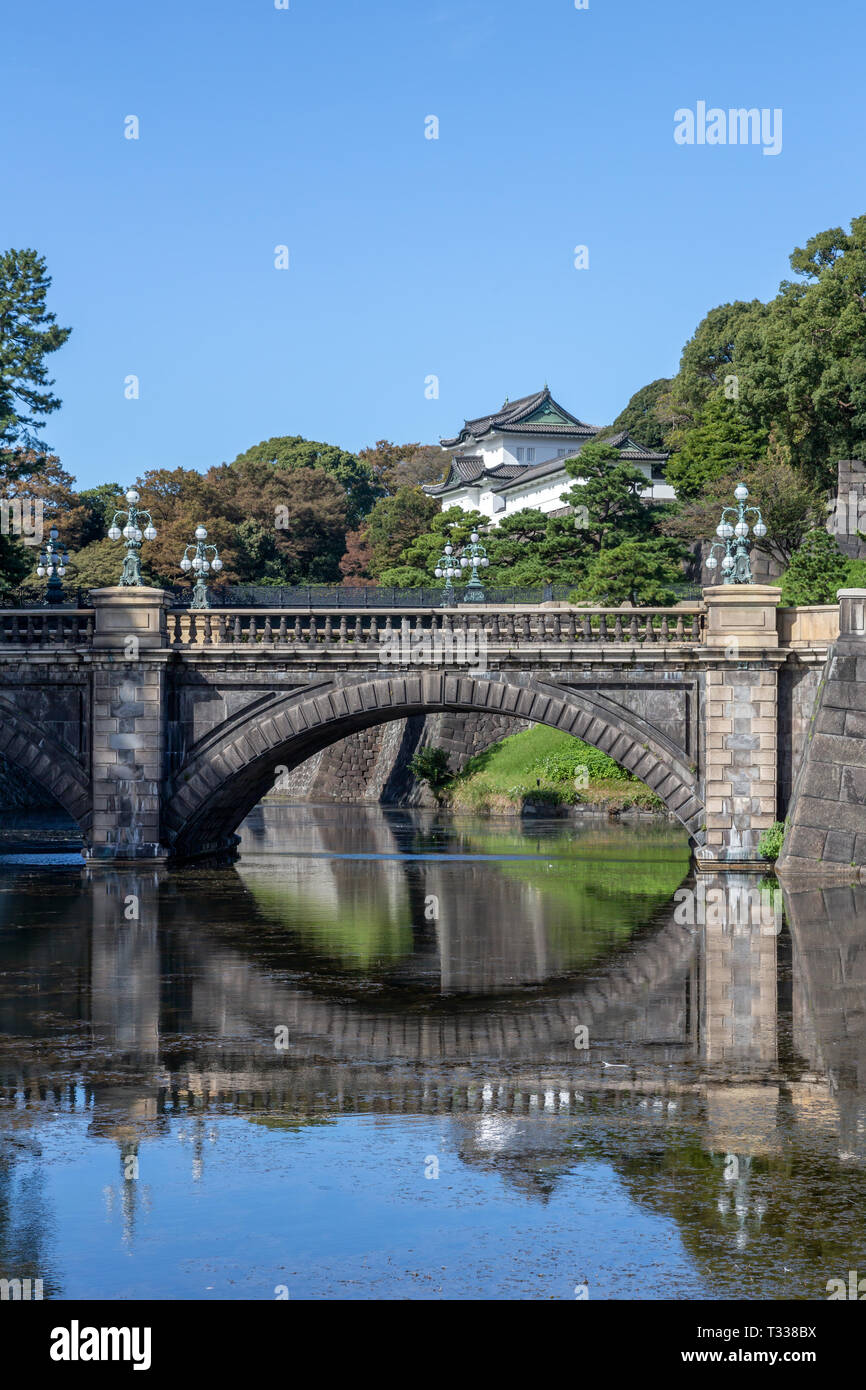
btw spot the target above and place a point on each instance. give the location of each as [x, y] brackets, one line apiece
[729, 1014]
[732, 1046]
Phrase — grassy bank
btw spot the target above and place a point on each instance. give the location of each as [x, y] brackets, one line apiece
[545, 769]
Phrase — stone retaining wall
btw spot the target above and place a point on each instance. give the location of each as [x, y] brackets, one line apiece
[850, 512]
[373, 766]
[827, 818]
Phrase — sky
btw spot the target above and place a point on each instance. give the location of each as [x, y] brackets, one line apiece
[428, 279]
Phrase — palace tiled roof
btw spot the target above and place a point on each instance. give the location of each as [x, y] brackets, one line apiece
[469, 467]
[515, 417]
[468, 470]
[630, 449]
[530, 475]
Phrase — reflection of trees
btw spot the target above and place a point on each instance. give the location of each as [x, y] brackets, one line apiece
[780, 1228]
[25, 1217]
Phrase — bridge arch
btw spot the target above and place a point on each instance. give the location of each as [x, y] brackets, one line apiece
[29, 750]
[229, 772]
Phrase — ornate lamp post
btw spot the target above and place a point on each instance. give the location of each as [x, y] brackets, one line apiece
[475, 555]
[201, 565]
[736, 566]
[53, 561]
[447, 569]
[133, 535]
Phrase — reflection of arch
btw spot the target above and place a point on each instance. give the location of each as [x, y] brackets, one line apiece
[229, 772]
[249, 986]
[30, 751]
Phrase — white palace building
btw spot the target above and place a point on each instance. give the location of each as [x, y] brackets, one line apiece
[515, 458]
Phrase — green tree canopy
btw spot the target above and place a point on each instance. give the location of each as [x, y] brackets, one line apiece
[452, 525]
[394, 466]
[287, 453]
[607, 502]
[791, 506]
[100, 503]
[28, 333]
[796, 366]
[723, 440]
[638, 572]
[708, 360]
[641, 418]
[395, 522]
[817, 571]
[530, 547]
[98, 566]
[803, 367]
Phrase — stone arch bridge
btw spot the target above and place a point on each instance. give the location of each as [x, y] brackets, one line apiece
[158, 730]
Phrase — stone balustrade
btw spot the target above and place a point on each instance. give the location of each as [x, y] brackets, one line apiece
[34, 627]
[365, 629]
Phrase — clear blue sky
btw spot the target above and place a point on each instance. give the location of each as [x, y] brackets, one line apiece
[409, 256]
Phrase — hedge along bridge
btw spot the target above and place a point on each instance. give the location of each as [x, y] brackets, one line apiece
[159, 729]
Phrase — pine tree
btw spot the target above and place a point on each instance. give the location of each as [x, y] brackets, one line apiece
[28, 333]
[817, 571]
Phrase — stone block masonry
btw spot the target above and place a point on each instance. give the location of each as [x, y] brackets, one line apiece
[741, 722]
[826, 825]
[848, 514]
[373, 765]
[127, 757]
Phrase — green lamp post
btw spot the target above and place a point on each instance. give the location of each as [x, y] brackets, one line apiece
[733, 536]
[133, 534]
[474, 555]
[53, 562]
[201, 566]
[447, 569]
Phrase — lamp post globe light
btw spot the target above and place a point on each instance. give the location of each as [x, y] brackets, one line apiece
[200, 566]
[474, 555]
[53, 562]
[447, 568]
[133, 534]
[733, 538]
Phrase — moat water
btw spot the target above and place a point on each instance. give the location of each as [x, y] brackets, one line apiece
[392, 1054]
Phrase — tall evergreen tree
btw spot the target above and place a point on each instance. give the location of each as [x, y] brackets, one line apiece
[28, 333]
[722, 441]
